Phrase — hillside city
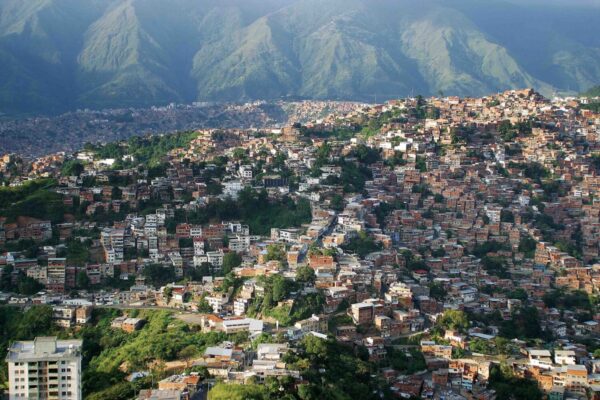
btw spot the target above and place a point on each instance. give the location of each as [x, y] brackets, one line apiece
[37, 135]
[436, 248]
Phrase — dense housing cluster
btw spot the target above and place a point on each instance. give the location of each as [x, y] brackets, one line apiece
[449, 246]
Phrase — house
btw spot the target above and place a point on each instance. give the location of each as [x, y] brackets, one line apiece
[83, 315]
[162, 394]
[218, 354]
[128, 325]
[564, 357]
[361, 313]
[242, 325]
[540, 358]
[184, 383]
[316, 323]
[271, 351]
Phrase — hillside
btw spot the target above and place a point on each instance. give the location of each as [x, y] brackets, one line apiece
[59, 55]
[592, 92]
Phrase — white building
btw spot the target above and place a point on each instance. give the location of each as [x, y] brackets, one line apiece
[200, 259]
[177, 262]
[239, 307]
[198, 247]
[215, 258]
[232, 189]
[271, 351]
[196, 231]
[242, 325]
[45, 368]
[540, 358]
[565, 357]
[246, 171]
[218, 302]
[493, 213]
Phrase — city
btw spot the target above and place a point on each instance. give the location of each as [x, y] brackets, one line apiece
[442, 248]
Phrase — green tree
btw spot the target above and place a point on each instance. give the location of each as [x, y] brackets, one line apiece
[29, 286]
[365, 154]
[231, 261]
[495, 266]
[455, 320]
[222, 391]
[158, 275]
[72, 168]
[187, 353]
[337, 202]
[239, 153]
[116, 193]
[275, 252]
[362, 244]
[280, 288]
[315, 347]
[509, 387]
[305, 274]
[168, 293]
[420, 164]
[507, 216]
[437, 291]
[307, 392]
[204, 306]
[525, 323]
[82, 281]
[518, 293]
[527, 245]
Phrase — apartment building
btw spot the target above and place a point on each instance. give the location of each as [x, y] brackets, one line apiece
[45, 368]
[56, 274]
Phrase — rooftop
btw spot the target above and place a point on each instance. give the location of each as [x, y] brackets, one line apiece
[43, 348]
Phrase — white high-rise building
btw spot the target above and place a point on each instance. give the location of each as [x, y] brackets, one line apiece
[45, 368]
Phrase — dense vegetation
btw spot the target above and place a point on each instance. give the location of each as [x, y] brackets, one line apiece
[109, 354]
[362, 245]
[592, 92]
[353, 176]
[331, 371]
[18, 325]
[255, 210]
[23, 285]
[509, 387]
[405, 361]
[278, 289]
[148, 150]
[32, 199]
[594, 106]
[572, 300]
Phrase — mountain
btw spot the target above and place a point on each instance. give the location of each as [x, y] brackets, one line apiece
[592, 92]
[58, 55]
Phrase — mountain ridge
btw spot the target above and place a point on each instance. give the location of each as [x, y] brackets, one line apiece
[58, 55]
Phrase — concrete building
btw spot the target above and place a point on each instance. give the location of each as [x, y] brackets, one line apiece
[56, 274]
[45, 368]
[361, 313]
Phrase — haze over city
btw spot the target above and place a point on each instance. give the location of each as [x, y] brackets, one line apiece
[299, 199]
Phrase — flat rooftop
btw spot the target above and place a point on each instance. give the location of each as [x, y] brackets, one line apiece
[42, 348]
